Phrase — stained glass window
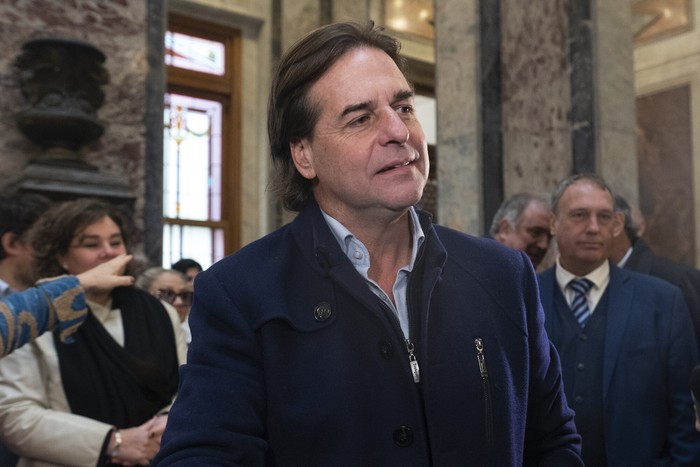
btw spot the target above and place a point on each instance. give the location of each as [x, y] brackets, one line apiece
[200, 189]
[191, 176]
[192, 158]
[194, 53]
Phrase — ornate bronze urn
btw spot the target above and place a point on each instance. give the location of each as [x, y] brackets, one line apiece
[61, 80]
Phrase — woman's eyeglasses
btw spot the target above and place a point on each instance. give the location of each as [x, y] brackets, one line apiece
[169, 296]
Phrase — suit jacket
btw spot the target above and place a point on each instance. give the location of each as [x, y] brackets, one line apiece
[687, 278]
[648, 358]
[295, 362]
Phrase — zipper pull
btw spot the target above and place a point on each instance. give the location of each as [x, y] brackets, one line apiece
[415, 369]
[479, 344]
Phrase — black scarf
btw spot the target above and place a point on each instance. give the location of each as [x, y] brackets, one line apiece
[122, 386]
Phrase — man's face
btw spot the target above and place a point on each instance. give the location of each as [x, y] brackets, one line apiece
[531, 234]
[583, 226]
[368, 155]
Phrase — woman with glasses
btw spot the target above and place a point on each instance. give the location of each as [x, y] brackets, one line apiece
[99, 400]
[172, 287]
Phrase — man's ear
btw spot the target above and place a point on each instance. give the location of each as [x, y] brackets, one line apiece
[503, 229]
[552, 224]
[618, 223]
[303, 158]
[10, 242]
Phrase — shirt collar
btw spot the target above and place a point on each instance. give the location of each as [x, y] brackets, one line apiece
[4, 286]
[599, 276]
[345, 238]
[624, 259]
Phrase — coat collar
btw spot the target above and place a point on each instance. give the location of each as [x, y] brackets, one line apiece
[319, 245]
[316, 239]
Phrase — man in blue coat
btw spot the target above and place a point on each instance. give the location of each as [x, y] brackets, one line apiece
[361, 334]
[626, 342]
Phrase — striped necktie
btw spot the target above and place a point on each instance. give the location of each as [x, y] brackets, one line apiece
[579, 305]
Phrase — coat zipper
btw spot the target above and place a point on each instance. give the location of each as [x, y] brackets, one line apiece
[410, 348]
[413, 361]
[483, 371]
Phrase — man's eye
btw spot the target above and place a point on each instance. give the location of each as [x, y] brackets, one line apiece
[359, 120]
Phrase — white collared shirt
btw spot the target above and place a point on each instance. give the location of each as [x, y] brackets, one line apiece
[358, 254]
[4, 288]
[624, 259]
[599, 276]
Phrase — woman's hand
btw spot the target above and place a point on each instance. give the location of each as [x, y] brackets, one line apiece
[139, 444]
[107, 275]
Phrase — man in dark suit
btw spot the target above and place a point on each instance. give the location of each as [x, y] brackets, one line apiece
[624, 338]
[361, 334]
[631, 252]
[522, 222]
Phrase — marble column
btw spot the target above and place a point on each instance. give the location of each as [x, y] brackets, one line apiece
[458, 96]
[616, 148]
[527, 94]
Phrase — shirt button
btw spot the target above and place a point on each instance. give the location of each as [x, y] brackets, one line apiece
[583, 337]
[403, 436]
[580, 367]
[578, 399]
[357, 254]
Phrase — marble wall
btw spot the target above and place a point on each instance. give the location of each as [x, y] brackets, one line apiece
[457, 92]
[667, 76]
[532, 141]
[118, 29]
[536, 99]
[561, 74]
[666, 172]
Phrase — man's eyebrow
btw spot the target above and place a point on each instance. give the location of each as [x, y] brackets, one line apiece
[355, 107]
[398, 96]
[401, 95]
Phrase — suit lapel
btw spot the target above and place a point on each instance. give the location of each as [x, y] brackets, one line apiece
[620, 301]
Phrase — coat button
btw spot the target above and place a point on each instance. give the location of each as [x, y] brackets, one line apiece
[403, 436]
[386, 349]
[322, 312]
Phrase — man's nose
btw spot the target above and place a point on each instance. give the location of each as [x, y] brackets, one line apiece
[394, 128]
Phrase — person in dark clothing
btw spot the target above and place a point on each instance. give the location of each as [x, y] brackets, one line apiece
[361, 334]
[631, 252]
[625, 339]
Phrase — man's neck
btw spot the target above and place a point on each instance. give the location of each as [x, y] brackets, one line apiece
[387, 239]
[8, 275]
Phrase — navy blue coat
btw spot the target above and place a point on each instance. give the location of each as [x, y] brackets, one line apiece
[295, 362]
[648, 357]
[681, 275]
